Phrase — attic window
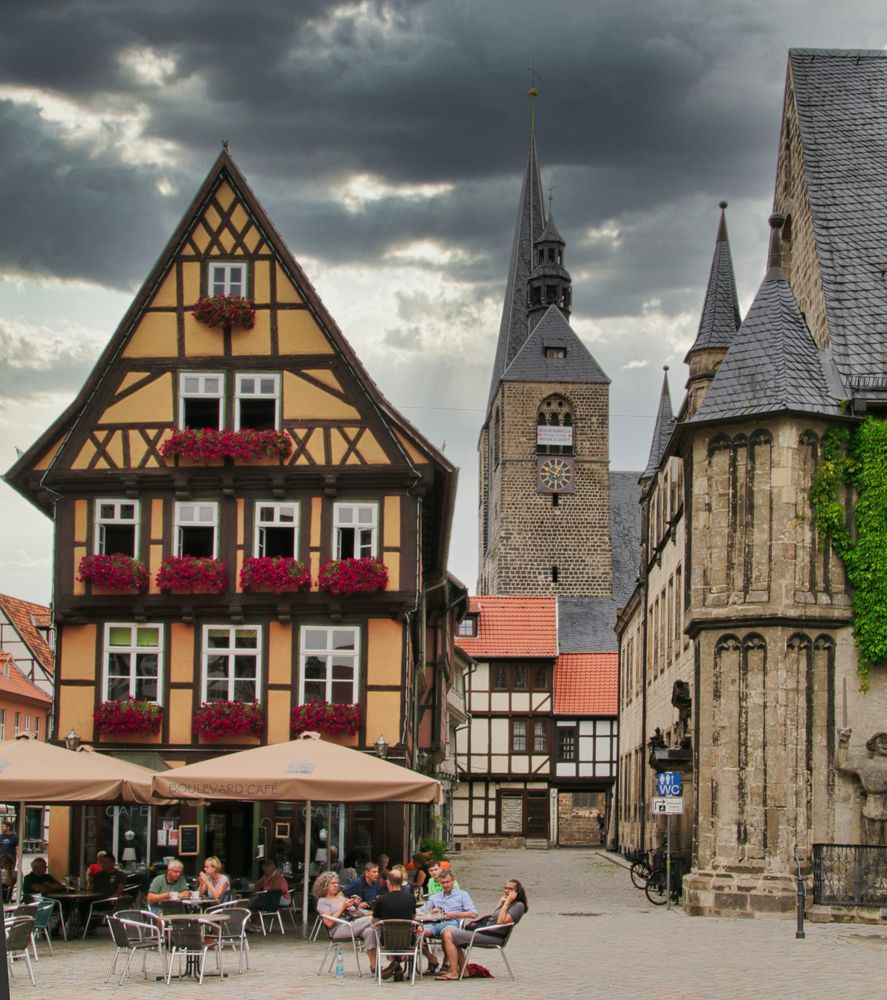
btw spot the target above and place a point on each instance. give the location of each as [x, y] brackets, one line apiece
[468, 627]
[116, 525]
[555, 352]
[226, 278]
[200, 400]
[257, 397]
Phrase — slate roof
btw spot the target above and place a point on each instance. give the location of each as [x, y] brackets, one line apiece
[625, 536]
[720, 310]
[514, 328]
[661, 430]
[512, 627]
[586, 684]
[14, 684]
[24, 616]
[550, 234]
[841, 99]
[531, 364]
[773, 364]
[586, 624]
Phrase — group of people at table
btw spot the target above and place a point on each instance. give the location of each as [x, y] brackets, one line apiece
[448, 913]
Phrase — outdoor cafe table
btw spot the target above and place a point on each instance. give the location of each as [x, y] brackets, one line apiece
[74, 900]
[191, 966]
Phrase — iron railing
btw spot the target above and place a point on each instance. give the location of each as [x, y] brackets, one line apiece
[849, 875]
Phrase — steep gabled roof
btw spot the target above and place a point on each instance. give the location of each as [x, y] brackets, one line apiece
[661, 430]
[586, 684]
[514, 327]
[625, 534]
[532, 365]
[841, 99]
[773, 365]
[720, 311]
[25, 616]
[14, 684]
[512, 627]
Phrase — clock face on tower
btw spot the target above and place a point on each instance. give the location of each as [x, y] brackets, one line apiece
[555, 474]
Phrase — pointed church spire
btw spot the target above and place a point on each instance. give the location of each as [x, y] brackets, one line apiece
[514, 327]
[720, 312]
[662, 430]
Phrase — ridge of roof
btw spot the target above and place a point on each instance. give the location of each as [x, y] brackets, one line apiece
[661, 430]
[720, 318]
[532, 365]
[530, 221]
[19, 612]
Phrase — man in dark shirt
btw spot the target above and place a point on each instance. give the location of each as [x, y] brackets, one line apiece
[109, 881]
[367, 886]
[394, 905]
[8, 841]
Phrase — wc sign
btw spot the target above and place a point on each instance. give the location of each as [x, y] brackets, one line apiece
[668, 783]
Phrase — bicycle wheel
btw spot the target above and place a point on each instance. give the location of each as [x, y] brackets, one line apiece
[655, 888]
[640, 872]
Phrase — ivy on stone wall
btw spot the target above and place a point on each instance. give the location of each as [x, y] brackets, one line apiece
[857, 460]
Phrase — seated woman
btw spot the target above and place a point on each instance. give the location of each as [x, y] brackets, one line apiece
[331, 902]
[511, 907]
[212, 884]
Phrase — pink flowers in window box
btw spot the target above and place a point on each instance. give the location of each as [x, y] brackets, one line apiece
[192, 575]
[276, 574]
[118, 573]
[353, 576]
[225, 311]
[128, 716]
[209, 445]
[325, 717]
[214, 720]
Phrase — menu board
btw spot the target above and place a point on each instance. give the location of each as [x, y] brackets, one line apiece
[189, 839]
[511, 814]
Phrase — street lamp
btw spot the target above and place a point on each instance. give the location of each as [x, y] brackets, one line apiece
[381, 747]
[72, 740]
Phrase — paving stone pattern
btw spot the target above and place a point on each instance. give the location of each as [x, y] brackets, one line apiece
[588, 934]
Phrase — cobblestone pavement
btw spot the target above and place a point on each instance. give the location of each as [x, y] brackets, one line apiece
[588, 933]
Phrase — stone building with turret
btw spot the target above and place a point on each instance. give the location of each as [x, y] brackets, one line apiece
[738, 665]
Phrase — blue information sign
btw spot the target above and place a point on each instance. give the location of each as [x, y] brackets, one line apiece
[669, 783]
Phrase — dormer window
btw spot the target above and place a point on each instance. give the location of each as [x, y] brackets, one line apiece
[556, 352]
[200, 399]
[227, 278]
[468, 627]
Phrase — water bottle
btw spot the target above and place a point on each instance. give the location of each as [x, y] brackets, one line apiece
[340, 964]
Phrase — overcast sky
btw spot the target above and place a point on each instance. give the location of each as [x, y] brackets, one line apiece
[386, 140]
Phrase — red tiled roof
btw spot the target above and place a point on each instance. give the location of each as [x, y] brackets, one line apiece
[585, 684]
[512, 626]
[13, 682]
[23, 615]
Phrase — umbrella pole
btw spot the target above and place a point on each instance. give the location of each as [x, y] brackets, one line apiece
[21, 849]
[305, 869]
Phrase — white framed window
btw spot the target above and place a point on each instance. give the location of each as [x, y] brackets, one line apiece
[276, 529]
[201, 399]
[227, 277]
[116, 527]
[133, 655]
[329, 664]
[468, 627]
[232, 655]
[18, 722]
[37, 726]
[257, 400]
[197, 529]
[2, 723]
[355, 530]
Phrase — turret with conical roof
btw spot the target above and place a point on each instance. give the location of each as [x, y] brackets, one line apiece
[719, 321]
[661, 431]
[549, 281]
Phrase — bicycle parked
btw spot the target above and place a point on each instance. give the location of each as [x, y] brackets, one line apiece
[644, 866]
[655, 886]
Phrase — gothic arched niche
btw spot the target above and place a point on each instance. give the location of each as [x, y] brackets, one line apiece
[555, 411]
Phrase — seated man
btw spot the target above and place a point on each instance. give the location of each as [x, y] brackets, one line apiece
[108, 880]
[433, 886]
[368, 886]
[39, 880]
[272, 878]
[171, 884]
[394, 905]
[451, 905]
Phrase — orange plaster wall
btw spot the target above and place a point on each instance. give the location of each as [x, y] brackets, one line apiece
[278, 716]
[181, 661]
[57, 853]
[74, 707]
[383, 716]
[280, 645]
[384, 651]
[181, 704]
[78, 648]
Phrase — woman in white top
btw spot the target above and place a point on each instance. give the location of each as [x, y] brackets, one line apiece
[212, 883]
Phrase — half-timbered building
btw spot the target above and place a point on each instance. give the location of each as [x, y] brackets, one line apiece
[241, 516]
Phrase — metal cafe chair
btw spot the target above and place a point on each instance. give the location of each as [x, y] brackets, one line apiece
[192, 938]
[102, 908]
[130, 936]
[42, 917]
[267, 907]
[398, 939]
[487, 937]
[232, 926]
[330, 953]
[18, 937]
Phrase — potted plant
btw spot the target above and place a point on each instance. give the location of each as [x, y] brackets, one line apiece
[192, 575]
[224, 311]
[277, 574]
[353, 576]
[217, 720]
[117, 573]
[325, 717]
[207, 444]
[128, 716]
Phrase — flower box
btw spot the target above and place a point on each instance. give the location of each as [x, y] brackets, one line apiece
[353, 576]
[192, 575]
[219, 720]
[208, 444]
[128, 716]
[116, 574]
[224, 311]
[274, 574]
[325, 717]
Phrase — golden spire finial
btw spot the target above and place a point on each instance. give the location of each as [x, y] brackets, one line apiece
[533, 93]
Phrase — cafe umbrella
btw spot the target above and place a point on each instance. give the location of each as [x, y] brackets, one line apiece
[308, 770]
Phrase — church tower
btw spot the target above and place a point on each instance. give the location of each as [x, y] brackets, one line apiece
[544, 510]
